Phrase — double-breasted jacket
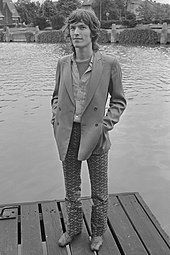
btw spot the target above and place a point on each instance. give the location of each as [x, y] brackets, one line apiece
[96, 121]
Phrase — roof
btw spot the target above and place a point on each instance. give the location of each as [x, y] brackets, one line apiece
[11, 7]
[87, 2]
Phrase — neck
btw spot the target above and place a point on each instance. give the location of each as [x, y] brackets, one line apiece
[83, 53]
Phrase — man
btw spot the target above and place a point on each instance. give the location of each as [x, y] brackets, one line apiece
[83, 81]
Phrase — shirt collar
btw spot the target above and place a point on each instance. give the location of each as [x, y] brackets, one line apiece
[90, 64]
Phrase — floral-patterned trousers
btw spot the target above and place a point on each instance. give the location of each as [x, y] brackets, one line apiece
[98, 166]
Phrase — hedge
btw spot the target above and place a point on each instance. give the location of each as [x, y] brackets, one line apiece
[53, 36]
[127, 36]
[107, 24]
[138, 36]
[57, 36]
[1, 36]
[29, 37]
[104, 36]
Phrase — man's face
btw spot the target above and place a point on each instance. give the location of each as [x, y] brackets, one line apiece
[80, 35]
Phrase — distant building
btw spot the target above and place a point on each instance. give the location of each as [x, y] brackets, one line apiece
[8, 13]
[133, 5]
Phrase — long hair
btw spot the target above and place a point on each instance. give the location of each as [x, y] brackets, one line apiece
[89, 18]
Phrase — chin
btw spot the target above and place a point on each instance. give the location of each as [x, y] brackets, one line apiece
[78, 46]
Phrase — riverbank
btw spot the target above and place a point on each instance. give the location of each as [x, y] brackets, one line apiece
[141, 34]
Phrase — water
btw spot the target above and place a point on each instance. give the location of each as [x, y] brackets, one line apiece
[139, 159]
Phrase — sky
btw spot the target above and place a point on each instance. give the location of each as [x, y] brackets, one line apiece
[163, 1]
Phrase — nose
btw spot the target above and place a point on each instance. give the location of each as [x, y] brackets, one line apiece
[76, 31]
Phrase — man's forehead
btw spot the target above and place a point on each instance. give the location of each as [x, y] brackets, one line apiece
[81, 22]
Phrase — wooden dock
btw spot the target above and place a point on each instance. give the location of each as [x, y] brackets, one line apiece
[34, 229]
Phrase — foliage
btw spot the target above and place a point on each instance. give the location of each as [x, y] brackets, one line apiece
[129, 20]
[152, 11]
[57, 22]
[27, 10]
[48, 9]
[36, 13]
[129, 23]
[57, 36]
[29, 37]
[115, 8]
[107, 24]
[67, 6]
[41, 22]
[54, 36]
[138, 36]
[104, 36]
[1, 36]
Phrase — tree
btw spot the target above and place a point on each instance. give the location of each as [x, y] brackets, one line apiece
[129, 20]
[57, 22]
[67, 6]
[115, 8]
[48, 9]
[41, 22]
[27, 10]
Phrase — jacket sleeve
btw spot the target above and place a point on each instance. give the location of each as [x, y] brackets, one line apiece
[117, 102]
[54, 100]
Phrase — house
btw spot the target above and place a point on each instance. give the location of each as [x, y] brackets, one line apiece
[8, 13]
[133, 6]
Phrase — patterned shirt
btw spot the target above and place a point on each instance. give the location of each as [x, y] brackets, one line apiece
[80, 85]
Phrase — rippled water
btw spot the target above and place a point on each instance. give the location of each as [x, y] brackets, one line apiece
[139, 156]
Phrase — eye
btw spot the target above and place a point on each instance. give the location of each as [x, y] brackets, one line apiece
[82, 27]
[72, 28]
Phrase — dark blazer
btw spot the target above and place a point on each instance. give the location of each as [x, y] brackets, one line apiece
[106, 78]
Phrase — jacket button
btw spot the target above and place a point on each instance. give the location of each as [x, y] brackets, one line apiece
[95, 108]
[96, 125]
[57, 123]
[59, 109]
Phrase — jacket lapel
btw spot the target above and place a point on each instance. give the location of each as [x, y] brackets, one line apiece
[95, 78]
[68, 78]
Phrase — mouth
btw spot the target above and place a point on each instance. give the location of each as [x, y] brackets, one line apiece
[77, 39]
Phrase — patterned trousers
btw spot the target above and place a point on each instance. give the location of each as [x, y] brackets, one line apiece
[97, 165]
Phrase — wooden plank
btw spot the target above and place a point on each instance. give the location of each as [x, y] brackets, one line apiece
[123, 231]
[31, 242]
[53, 228]
[153, 219]
[109, 246]
[80, 244]
[9, 235]
[144, 227]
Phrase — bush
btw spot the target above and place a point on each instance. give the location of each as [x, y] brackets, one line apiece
[57, 36]
[40, 22]
[107, 24]
[54, 36]
[29, 37]
[104, 36]
[1, 36]
[57, 22]
[138, 36]
[129, 22]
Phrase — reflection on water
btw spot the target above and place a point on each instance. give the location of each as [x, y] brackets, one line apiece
[139, 157]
